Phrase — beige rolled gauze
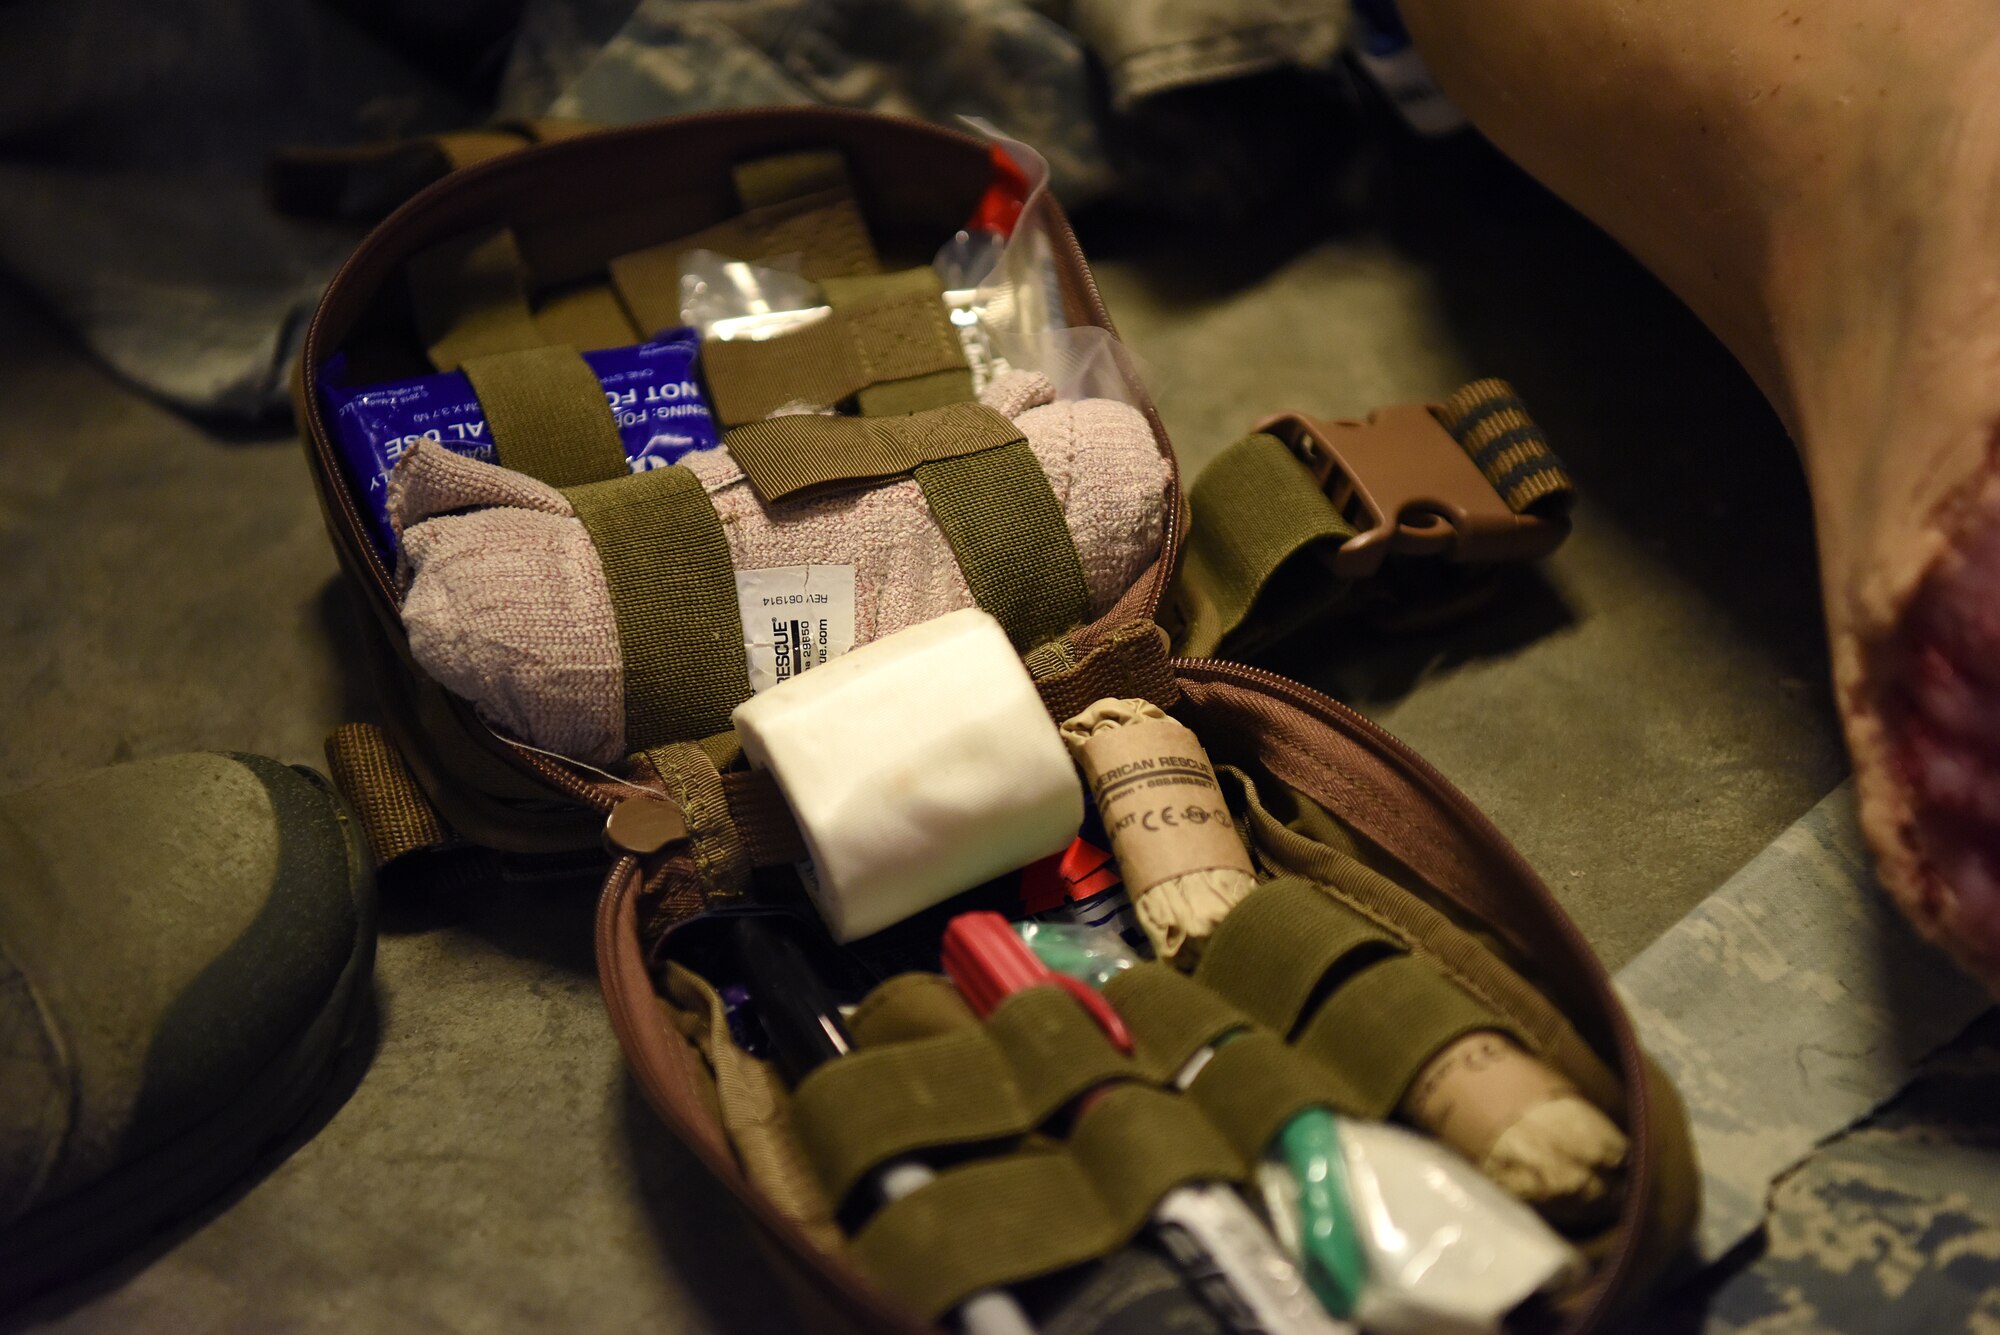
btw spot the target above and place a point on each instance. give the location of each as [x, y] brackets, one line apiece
[1524, 1125]
[1171, 831]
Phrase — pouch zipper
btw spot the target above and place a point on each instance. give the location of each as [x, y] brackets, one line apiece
[1329, 710]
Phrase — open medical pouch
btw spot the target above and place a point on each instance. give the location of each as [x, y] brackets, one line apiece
[1391, 917]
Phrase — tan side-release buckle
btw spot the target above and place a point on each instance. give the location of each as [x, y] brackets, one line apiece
[1407, 487]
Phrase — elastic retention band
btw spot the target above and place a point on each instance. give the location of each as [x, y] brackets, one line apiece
[1054, 1049]
[1170, 1015]
[1379, 1028]
[1491, 424]
[673, 591]
[1007, 530]
[1255, 1084]
[1255, 507]
[880, 1103]
[1000, 1221]
[548, 416]
[785, 456]
[899, 356]
[1274, 950]
[469, 297]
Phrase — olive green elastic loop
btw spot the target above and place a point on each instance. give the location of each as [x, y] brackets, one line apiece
[1381, 1026]
[900, 355]
[907, 1006]
[673, 593]
[1001, 1221]
[1055, 1049]
[785, 456]
[879, 1104]
[1171, 1016]
[548, 416]
[1275, 948]
[1255, 1084]
[1007, 530]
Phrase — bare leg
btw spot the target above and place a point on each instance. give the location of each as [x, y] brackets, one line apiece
[1821, 183]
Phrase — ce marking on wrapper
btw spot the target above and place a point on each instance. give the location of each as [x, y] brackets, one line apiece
[1155, 819]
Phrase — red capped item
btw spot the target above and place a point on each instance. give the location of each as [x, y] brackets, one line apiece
[988, 963]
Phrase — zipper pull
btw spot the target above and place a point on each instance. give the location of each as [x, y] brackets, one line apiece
[643, 826]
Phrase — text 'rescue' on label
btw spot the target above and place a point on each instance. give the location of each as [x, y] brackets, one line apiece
[794, 619]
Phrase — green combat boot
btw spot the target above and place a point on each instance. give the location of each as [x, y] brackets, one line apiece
[185, 948]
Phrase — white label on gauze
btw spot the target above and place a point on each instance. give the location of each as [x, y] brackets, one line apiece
[794, 618]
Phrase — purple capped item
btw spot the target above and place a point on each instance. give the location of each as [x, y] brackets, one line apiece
[651, 387]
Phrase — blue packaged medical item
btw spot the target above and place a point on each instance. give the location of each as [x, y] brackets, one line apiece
[655, 400]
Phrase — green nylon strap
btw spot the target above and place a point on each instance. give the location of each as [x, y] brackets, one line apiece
[1055, 1050]
[784, 456]
[1007, 530]
[782, 177]
[1379, 1028]
[692, 779]
[469, 297]
[1276, 948]
[1491, 424]
[1000, 1221]
[547, 415]
[673, 593]
[879, 1104]
[897, 356]
[1170, 1015]
[1255, 507]
[1255, 1084]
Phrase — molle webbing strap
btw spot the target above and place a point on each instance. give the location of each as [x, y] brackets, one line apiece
[548, 416]
[900, 355]
[1255, 1084]
[770, 835]
[673, 593]
[785, 456]
[1381, 1026]
[999, 1221]
[394, 815]
[587, 316]
[968, 1085]
[1491, 424]
[1170, 1015]
[879, 1104]
[1255, 506]
[1054, 1049]
[1276, 948]
[469, 297]
[1007, 530]
[721, 859]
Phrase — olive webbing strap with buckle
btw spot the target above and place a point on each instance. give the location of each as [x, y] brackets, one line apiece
[673, 593]
[1472, 481]
[999, 1221]
[547, 416]
[897, 355]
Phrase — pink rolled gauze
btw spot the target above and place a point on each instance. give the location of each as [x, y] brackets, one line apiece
[505, 603]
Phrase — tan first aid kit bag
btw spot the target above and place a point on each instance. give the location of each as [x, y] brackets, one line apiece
[1390, 918]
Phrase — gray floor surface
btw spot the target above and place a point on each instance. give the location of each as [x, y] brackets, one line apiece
[1641, 716]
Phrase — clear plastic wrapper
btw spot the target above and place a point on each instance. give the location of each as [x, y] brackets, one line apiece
[727, 298]
[1095, 955]
[1446, 1251]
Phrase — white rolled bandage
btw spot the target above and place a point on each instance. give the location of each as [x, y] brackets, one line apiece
[917, 767]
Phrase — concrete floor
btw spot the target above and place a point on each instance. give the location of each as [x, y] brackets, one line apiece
[1641, 717]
